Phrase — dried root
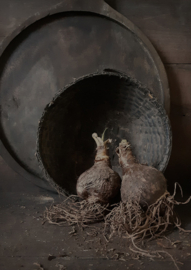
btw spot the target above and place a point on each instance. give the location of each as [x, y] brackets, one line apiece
[74, 211]
[129, 220]
[150, 253]
[136, 222]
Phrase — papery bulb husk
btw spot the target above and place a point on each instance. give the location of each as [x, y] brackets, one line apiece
[142, 183]
[99, 184]
[139, 182]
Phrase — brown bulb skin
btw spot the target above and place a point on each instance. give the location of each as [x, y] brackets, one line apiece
[99, 184]
[141, 183]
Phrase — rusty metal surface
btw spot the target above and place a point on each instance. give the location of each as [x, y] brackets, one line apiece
[54, 52]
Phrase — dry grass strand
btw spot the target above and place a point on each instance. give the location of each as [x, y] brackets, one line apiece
[73, 211]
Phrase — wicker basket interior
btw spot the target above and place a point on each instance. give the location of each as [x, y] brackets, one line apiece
[91, 104]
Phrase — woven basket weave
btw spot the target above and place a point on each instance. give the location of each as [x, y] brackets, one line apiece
[110, 100]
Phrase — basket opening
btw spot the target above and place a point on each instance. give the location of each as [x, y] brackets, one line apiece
[91, 104]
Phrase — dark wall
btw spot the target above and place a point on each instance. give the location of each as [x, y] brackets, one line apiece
[167, 23]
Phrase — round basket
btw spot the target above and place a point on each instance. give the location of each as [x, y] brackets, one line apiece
[65, 147]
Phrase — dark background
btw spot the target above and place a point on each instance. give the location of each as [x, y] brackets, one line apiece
[167, 24]
[23, 239]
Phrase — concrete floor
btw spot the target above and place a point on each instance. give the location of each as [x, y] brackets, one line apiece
[26, 243]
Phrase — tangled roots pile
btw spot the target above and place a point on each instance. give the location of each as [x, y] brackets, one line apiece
[74, 211]
[128, 219]
[136, 222]
[124, 218]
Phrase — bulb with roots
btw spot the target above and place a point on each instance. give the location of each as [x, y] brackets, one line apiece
[99, 184]
[140, 183]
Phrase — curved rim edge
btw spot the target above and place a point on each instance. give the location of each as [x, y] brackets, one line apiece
[97, 7]
[154, 100]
